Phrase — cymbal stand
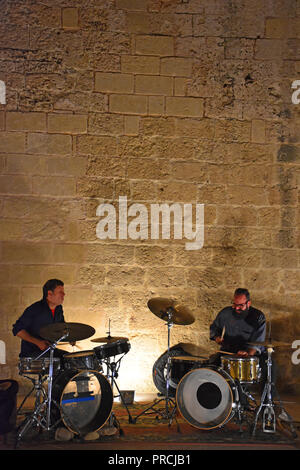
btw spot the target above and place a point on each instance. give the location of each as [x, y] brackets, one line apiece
[112, 374]
[269, 415]
[38, 415]
[166, 414]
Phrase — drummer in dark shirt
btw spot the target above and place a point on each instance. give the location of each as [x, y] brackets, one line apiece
[237, 325]
[46, 311]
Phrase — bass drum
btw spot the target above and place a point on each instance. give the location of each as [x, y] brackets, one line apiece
[205, 398]
[85, 400]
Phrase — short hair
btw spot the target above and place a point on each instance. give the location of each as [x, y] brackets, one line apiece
[242, 291]
[51, 284]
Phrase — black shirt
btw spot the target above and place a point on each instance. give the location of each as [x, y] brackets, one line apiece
[240, 328]
[32, 320]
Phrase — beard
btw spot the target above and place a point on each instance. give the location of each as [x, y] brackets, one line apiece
[241, 313]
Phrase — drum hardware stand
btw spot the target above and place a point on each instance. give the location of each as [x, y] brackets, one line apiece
[38, 413]
[37, 385]
[241, 408]
[166, 414]
[269, 415]
[113, 367]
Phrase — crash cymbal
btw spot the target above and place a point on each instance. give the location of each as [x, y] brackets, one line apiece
[180, 315]
[108, 339]
[67, 343]
[77, 331]
[270, 344]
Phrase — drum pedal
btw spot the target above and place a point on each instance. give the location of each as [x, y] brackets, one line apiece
[269, 420]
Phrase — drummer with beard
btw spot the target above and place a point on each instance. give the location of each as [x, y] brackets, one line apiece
[44, 312]
[239, 324]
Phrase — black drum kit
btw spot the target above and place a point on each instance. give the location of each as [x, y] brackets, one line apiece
[79, 393]
[207, 393]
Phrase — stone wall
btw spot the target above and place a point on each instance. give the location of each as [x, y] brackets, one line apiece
[161, 101]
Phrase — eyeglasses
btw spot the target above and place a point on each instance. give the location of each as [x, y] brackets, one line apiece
[240, 305]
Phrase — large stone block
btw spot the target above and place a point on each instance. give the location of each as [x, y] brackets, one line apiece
[67, 123]
[154, 45]
[113, 82]
[49, 144]
[184, 107]
[27, 253]
[153, 85]
[140, 64]
[96, 145]
[12, 142]
[128, 104]
[16, 121]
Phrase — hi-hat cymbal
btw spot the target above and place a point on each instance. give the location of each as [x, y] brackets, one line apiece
[76, 331]
[108, 339]
[179, 314]
[270, 344]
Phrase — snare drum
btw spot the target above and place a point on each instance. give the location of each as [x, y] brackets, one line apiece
[244, 369]
[121, 346]
[81, 361]
[181, 365]
[30, 365]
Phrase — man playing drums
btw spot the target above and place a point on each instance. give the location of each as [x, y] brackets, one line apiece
[46, 311]
[238, 325]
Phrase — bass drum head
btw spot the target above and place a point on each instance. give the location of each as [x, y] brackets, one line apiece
[85, 400]
[204, 398]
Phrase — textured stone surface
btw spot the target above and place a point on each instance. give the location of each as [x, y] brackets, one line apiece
[162, 102]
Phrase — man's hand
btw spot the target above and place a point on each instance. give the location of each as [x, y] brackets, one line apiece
[218, 339]
[42, 344]
[243, 353]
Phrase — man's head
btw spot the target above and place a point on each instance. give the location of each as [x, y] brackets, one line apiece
[241, 300]
[53, 292]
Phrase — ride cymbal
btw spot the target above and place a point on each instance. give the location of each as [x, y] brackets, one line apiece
[108, 339]
[76, 331]
[270, 344]
[162, 308]
[194, 350]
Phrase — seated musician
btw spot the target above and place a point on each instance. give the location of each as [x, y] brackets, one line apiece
[46, 311]
[237, 325]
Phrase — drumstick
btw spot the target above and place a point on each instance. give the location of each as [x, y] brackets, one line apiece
[223, 333]
[226, 352]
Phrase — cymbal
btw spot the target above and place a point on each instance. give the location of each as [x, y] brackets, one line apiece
[189, 358]
[108, 339]
[180, 314]
[270, 344]
[193, 350]
[77, 331]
